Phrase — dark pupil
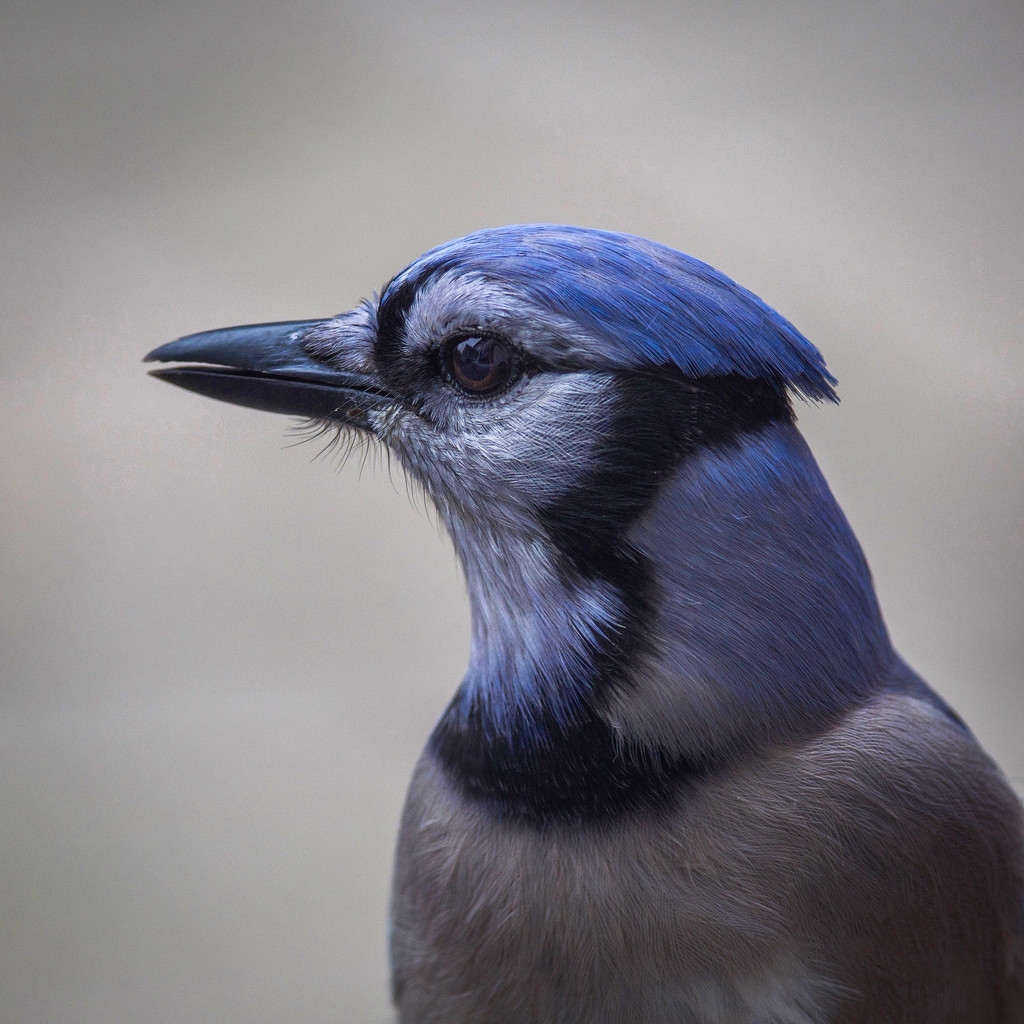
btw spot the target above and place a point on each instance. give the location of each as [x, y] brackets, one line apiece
[481, 364]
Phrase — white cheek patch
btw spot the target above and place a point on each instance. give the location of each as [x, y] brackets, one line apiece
[497, 464]
[543, 440]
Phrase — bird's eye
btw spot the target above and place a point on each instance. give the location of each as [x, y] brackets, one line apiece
[480, 364]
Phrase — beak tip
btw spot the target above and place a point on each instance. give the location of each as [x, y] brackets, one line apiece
[169, 374]
[160, 353]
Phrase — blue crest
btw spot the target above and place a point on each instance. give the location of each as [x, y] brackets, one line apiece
[648, 304]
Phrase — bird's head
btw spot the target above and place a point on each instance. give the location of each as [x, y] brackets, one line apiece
[547, 386]
[539, 381]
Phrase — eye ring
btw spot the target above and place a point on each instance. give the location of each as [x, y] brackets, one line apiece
[480, 363]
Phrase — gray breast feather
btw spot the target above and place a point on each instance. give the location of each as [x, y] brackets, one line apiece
[793, 888]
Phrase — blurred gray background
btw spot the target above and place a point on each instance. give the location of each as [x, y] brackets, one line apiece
[221, 657]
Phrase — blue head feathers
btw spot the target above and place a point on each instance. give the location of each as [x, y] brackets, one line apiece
[647, 303]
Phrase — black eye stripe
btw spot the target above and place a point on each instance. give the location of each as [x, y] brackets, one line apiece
[480, 363]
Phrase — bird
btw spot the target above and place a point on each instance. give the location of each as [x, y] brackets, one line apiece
[686, 778]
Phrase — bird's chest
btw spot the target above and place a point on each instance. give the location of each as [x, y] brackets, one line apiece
[501, 924]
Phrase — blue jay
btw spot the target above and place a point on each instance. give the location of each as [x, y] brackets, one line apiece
[686, 778]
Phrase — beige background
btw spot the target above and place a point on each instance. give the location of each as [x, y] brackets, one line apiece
[219, 657]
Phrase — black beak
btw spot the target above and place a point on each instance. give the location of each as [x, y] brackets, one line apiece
[265, 366]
